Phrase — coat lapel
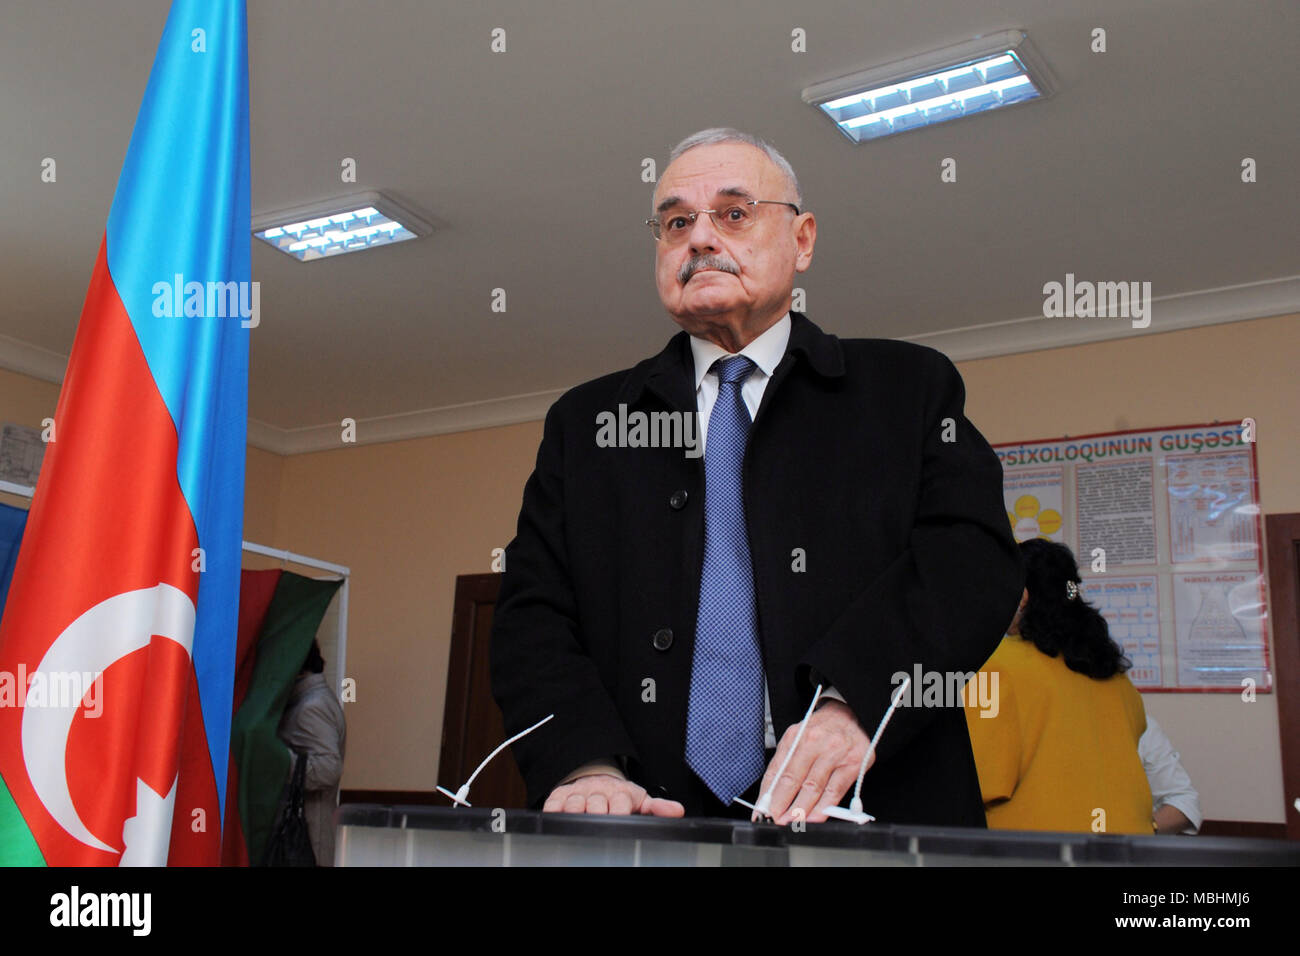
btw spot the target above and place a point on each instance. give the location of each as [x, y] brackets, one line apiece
[668, 375]
[809, 344]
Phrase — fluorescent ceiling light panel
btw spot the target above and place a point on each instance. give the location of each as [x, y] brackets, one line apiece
[974, 77]
[338, 226]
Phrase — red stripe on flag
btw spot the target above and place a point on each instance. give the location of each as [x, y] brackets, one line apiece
[256, 588]
[108, 518]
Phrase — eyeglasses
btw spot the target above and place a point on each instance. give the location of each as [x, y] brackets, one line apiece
[731, 220]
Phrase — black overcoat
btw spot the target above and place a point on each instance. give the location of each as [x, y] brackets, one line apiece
[879, 541]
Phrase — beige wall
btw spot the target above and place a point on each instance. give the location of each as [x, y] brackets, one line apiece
[409, 516]
[262, 471]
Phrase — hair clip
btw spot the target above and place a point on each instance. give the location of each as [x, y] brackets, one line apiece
[1071, 591]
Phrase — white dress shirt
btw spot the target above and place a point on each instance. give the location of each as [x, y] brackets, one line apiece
[1170, 783]
[765, 352]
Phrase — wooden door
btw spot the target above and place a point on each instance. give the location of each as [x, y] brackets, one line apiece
[1283, 534]
[472, 725]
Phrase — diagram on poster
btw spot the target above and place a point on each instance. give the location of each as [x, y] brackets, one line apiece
[1212, 508]
[1034, 503]
[1131, 607]
[1220, 626]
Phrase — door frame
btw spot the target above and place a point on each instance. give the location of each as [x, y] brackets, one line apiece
[1282, 532]
[472, 591]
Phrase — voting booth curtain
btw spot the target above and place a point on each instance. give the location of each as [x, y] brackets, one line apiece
[279, 614]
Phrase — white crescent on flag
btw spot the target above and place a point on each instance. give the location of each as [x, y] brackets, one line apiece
[101, 636]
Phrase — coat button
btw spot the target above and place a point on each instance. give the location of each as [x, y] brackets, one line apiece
[677, 501]
[663, 639]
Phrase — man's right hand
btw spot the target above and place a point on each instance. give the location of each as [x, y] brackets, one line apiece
[605, 793]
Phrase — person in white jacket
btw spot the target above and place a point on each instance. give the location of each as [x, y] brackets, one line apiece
[1176, 805]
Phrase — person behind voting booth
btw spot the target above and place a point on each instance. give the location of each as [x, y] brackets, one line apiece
[313, 726]
[675, 611]
[1060, 752]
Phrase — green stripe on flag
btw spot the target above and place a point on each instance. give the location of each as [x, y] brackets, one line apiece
[17, 845]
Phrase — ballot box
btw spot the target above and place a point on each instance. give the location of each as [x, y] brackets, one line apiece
[378, 835]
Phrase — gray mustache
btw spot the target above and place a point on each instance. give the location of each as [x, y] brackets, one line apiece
[696, 263]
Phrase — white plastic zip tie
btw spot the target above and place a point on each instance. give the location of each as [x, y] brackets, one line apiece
[459, 797]
[854, 813]
[764, 805]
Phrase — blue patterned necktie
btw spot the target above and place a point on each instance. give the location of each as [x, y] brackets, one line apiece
[724, 721]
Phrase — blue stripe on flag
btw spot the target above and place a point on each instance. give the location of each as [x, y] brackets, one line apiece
[182, 207]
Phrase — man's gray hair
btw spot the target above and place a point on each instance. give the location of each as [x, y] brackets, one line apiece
[725, 134]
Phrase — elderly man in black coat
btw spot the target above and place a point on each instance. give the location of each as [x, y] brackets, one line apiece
[759, 509]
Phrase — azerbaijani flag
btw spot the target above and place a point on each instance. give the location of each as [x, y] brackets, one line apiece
[119, 630]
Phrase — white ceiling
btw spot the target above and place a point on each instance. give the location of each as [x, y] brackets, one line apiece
[529, 163]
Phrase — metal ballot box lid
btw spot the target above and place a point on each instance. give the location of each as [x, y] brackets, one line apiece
[379, 835]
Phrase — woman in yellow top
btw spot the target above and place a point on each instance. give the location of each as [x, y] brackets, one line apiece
[1059, 752]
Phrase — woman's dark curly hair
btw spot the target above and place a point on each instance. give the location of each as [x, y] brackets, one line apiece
[1059, 624]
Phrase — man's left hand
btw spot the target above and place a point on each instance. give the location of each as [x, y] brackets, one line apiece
[824, 768]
